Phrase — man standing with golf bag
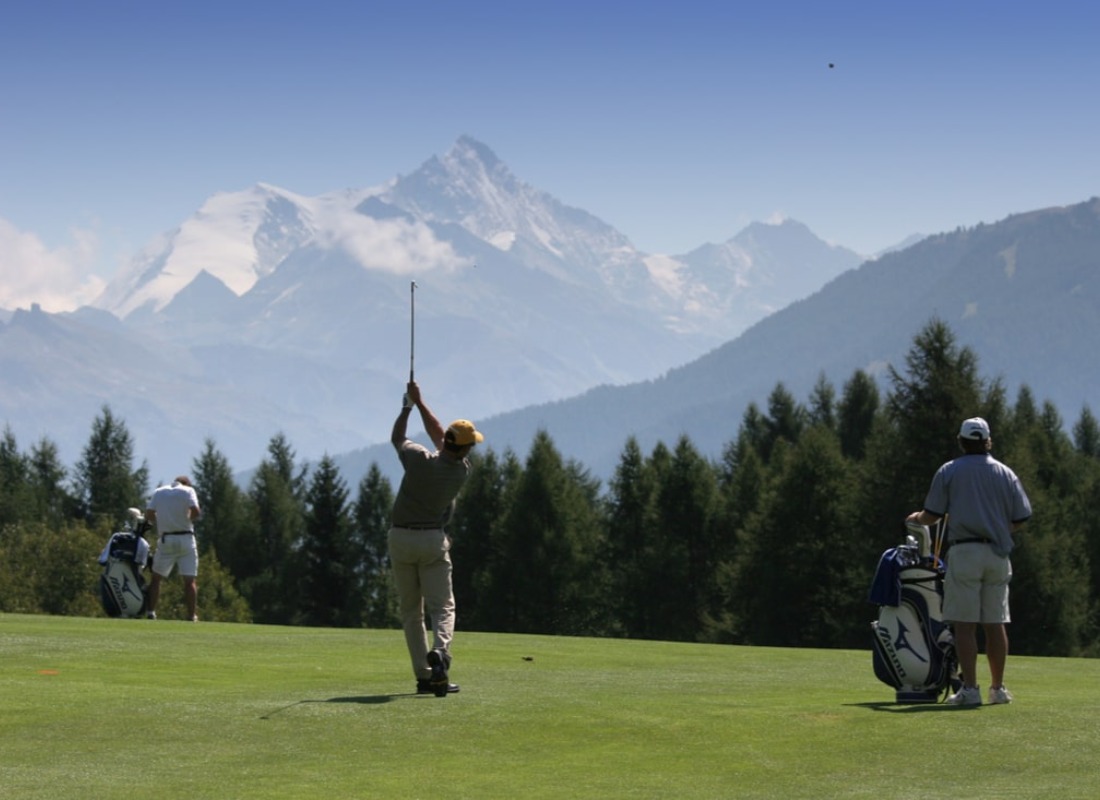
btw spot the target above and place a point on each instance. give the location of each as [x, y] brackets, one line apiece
[419, 548]
[984, 504]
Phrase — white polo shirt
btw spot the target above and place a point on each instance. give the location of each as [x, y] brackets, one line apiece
[172, 505]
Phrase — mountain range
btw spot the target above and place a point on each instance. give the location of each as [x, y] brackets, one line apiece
[271, 312]
[1022, 293]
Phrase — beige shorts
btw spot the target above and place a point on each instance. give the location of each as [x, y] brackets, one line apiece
[975, 588]
[174, 550]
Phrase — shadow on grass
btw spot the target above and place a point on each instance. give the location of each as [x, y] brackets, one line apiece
[900, 708]
[364, 700]
[367, 700]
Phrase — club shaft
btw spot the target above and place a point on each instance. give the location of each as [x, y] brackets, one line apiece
[412, 329]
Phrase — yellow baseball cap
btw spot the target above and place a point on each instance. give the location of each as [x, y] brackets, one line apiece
[462, 432]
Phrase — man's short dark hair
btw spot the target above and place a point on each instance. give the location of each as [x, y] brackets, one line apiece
[974, 446]
[450, 446]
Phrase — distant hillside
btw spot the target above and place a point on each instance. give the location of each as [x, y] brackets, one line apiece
[1023, 293]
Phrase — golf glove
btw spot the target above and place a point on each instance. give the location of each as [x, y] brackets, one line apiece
[406, 401]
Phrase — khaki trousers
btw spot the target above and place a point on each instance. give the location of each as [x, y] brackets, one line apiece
[421, 565]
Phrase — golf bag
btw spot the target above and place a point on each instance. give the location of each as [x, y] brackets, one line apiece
[126, 554]
[913, 647]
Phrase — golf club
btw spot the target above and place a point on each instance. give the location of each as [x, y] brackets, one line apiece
[412, 328]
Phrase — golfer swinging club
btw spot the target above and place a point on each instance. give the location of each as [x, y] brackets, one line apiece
[419, 548]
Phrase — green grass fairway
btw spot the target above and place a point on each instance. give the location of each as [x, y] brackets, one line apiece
[99, 709]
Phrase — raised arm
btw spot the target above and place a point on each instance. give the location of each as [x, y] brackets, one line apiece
[432, 425]
[400, 426]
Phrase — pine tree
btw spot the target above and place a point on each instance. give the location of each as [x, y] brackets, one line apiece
[926, 404]
[378, 597]
[50, 500]
[741, 477]
[918, 430]
[1050, 582]
[680, 562]
[106, 482]
[785, 420]
[798, 582]
[631, 531]
[266, 571]
[331, 593]
[1086, 434]
[859, 404]
[542, 577]
[476, 533]
[223, 525]
[823, 409]
[14, 481]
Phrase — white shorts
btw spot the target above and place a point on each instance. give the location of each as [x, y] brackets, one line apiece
[176, 550]
[975, 588]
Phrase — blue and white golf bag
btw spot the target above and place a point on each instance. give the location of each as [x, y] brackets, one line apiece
[913, 647]
[126, 554]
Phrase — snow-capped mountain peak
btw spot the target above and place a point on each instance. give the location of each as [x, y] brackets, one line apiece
[290, 313]
[407, 227]
[471, 187]
[237, 237]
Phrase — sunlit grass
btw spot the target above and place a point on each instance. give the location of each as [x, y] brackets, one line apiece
[97, 708]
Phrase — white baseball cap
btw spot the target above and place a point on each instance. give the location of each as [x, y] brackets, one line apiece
[974, 428]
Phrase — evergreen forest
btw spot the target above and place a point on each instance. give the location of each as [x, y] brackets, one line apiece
[774, 544]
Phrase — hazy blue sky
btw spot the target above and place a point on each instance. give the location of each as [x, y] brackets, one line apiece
[676, 122]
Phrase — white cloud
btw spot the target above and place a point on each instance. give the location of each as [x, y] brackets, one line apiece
[58, 280]
[392, 245]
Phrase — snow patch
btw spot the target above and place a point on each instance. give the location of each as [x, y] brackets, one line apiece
[666, 273]
[546, 239]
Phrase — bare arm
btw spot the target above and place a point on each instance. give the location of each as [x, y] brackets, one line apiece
[432, 426]
[400, 426]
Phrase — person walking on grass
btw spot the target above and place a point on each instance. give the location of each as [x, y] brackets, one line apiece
[419, 547]
[984, 504]
[174, 509]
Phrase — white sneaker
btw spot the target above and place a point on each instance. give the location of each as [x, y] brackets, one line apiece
[151, 615]
[999, 695]
[966, 696]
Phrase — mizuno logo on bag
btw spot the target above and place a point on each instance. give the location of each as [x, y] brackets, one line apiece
[888, 647]
[901, 642]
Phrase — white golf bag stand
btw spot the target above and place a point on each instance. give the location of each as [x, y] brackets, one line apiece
[913, 647]
[126, 554]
